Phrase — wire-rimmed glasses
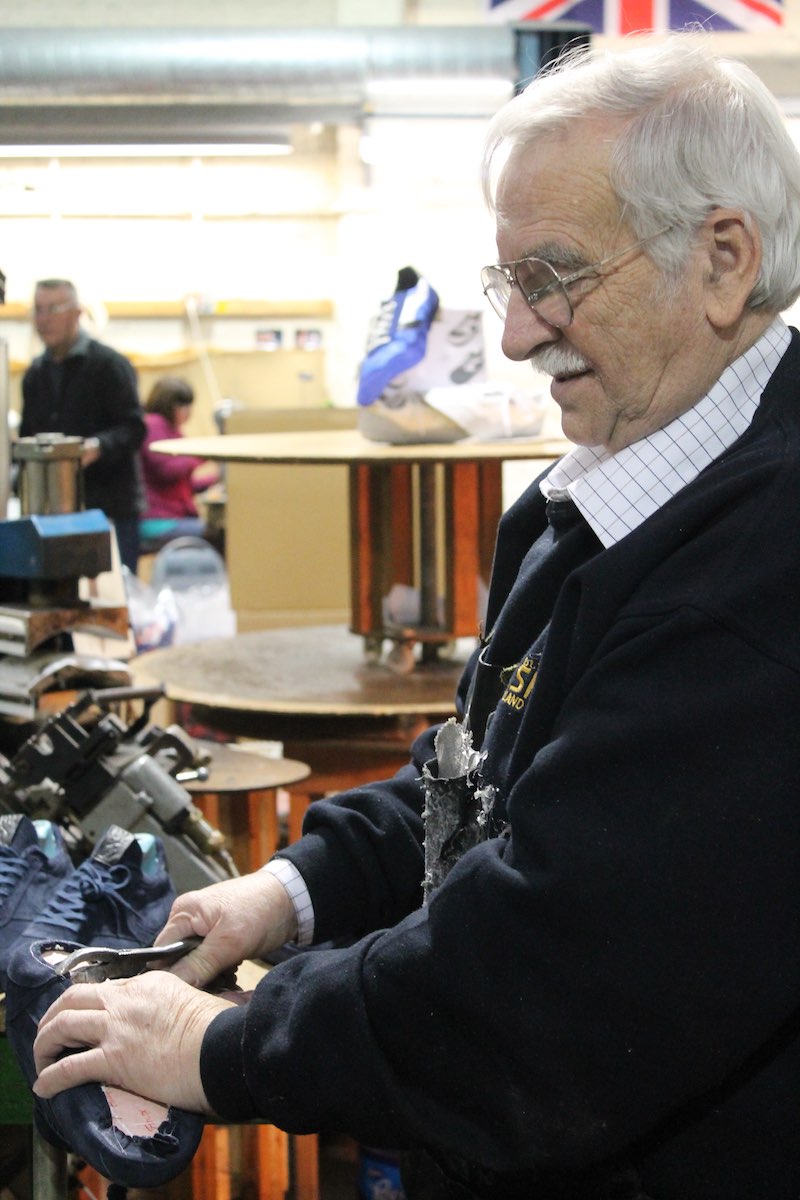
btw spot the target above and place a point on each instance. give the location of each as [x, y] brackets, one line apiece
[53, 310]
[544, 289]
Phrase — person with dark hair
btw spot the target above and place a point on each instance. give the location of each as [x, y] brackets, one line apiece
[172, 481]
[556, 956]
[83, 388]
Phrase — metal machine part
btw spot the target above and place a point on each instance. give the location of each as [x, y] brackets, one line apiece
[44, 555]
[86, 769]
[46, 552]
[50, 477]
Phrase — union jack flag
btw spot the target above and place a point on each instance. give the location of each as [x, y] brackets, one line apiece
[642, 16]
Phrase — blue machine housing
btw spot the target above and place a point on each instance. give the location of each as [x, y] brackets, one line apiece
[56, 546]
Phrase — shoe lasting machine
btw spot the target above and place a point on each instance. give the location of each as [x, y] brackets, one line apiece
[86, 769]
[83, 767]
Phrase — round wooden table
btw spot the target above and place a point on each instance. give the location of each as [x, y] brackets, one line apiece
[231, 770]
[310, 688]
[422, 517]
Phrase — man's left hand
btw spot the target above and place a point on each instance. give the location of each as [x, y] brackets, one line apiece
[143, 1034]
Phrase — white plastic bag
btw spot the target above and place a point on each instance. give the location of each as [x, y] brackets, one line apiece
[153, 615]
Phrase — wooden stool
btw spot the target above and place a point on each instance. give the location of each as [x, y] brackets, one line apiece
[312, 689]
[239, 797]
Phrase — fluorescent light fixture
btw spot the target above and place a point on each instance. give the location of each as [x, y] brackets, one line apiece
[438, 85]
[152, 150]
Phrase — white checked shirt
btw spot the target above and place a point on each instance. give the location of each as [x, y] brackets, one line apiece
[616, 493]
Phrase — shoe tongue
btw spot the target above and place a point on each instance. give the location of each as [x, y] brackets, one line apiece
[117, 845]
[18, 831]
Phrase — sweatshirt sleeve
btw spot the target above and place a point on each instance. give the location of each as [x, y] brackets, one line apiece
[361, 854]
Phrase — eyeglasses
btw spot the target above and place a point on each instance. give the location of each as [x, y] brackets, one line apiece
[53, 310]
[543, 288]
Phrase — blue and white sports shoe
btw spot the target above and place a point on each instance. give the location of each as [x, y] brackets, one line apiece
[119, 897]
[33, 865]
[131, 1140]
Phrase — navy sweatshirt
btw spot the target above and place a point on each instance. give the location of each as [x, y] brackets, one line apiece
[614, 983]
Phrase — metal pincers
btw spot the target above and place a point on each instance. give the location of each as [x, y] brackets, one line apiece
[95, 964]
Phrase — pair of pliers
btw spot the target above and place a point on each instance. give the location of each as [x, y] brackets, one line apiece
[94, 964]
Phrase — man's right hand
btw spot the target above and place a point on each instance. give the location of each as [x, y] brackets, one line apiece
[237, 919]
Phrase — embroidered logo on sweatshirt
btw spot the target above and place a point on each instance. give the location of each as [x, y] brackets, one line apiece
[521, 680]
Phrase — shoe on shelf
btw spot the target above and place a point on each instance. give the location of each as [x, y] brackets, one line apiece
[132, 1141]
[33, 864]
[120, 896]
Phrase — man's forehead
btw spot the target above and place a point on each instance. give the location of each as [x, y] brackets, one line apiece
[58, 293]
[556, 193]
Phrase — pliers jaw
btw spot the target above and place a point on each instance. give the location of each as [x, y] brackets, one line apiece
[95, 964]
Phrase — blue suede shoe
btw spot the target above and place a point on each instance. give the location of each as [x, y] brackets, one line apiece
[130, 1140]
[33, 864]
[120, 896]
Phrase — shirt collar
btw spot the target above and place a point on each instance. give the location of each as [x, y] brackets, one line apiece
[616, 493]
[79, 346]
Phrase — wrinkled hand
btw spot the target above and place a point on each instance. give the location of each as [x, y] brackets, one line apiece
[130, 1029]
[238, 919]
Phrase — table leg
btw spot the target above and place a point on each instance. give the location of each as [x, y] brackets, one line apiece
[428, 549]
[250, 822]
[211, 1165]
[262, 820]
[305, 1152]
[271, 1161]
[431, 525]
[462, 557]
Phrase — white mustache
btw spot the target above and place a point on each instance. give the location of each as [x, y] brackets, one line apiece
[559, 360]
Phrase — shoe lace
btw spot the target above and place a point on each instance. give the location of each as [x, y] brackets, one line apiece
[12, 869]
[89, 885]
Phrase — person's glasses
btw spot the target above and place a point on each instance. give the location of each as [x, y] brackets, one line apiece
[53, 310]
[541, 285]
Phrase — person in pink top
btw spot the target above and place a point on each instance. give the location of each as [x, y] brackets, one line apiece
[171, 481]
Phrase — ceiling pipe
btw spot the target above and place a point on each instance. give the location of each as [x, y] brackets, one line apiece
[70, 83]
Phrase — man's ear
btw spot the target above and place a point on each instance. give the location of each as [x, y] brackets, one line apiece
[732, 248]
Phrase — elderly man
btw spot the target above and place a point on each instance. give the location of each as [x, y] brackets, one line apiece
[83, 388]
[602, 998]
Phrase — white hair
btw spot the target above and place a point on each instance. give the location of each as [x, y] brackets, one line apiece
[697, 132]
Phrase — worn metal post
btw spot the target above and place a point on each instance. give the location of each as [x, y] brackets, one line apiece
[49, 1170]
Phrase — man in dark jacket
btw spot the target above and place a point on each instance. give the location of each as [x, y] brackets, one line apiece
[82, 388]
[601, 998]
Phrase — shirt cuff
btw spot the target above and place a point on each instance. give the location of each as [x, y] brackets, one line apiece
[288, 875]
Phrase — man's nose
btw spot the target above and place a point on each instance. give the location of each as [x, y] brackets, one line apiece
[524, 330]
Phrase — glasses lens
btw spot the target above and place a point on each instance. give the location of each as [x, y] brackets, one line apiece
[52, 310]
[497, 289]
[541, 286]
